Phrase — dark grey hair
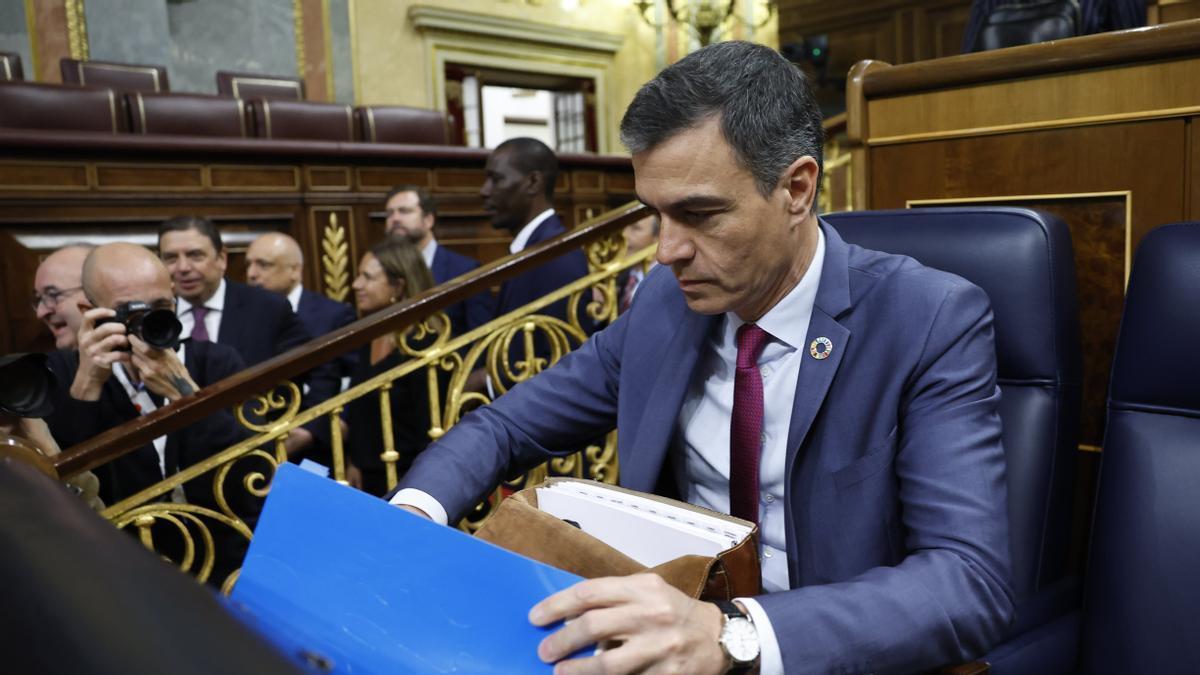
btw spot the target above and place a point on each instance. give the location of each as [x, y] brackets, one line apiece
[767, 109]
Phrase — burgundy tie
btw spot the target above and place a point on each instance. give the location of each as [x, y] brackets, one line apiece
[627, 294]
[199, 330]
[746, 423]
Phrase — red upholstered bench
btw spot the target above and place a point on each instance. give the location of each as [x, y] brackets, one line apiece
[188, 115]
[401, 124]
[120, 76]
[303, 120]
[25, 105]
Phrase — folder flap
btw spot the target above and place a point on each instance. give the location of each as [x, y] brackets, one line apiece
[375, 589]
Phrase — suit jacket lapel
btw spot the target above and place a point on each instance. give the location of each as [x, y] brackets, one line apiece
[648, 448]
[816, 375]
[230, 331]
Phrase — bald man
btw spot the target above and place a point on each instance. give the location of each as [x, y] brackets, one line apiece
[274, 262]
[57, 290]
[115, 377]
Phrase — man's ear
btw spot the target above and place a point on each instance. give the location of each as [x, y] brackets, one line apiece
[535, 183]
[799, 180]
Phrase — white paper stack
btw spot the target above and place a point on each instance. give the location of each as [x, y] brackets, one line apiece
[646, 530]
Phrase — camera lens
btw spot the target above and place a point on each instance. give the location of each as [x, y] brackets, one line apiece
[160, 328]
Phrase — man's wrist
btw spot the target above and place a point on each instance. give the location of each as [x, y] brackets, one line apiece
[85, 388]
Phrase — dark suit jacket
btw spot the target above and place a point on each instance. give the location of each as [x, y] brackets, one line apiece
[475, 310]
[261, 325]
[896, 501]
[409, 398]
[320, 316]
[75, 421]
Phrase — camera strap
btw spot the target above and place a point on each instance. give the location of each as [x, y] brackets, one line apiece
[144, 404]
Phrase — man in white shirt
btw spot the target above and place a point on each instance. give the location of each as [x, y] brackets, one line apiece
[843, 399]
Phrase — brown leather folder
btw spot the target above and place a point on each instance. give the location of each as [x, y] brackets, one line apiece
[520, 526]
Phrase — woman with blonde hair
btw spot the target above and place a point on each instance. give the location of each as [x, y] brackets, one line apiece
[391, 271]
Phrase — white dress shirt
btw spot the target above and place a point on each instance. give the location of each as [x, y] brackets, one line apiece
[212, 320]
[293, 297]
[428, 252]
[701, 454]
[520, 241]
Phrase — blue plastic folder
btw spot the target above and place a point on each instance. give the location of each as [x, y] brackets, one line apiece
[344, 581]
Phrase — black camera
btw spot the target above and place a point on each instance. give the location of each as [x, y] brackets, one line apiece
[156, 327]
[26, 385]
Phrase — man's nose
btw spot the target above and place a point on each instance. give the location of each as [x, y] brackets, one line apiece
[673, 244]
[43, 312]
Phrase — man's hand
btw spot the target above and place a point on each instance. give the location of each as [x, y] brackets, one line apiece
[297, 440]
[660, 629]
[162, 371]
[99, 348]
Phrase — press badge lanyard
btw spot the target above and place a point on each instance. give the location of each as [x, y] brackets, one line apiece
[144, 405]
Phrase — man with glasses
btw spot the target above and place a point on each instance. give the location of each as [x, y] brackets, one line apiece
[57, 292]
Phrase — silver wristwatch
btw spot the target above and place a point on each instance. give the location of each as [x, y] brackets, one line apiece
[739, 638]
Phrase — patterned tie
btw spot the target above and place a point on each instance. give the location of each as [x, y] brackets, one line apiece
[746, 423]
[627, 294]
[199, 330]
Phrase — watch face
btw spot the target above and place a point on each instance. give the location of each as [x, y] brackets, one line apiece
[740, 640]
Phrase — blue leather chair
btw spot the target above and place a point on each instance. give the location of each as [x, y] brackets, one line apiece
[1023, 259]
[1141, 611]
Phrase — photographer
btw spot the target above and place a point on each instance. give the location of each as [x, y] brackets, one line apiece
[116, 375]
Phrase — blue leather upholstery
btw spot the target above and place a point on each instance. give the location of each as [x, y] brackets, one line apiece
[1023, 259]
[1142, 601]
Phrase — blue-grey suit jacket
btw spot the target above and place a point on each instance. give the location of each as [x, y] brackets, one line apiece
[897, 533]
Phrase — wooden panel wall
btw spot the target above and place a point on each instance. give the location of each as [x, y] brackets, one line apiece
[45, 203]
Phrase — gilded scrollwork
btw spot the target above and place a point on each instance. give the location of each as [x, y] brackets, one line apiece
[509, 350]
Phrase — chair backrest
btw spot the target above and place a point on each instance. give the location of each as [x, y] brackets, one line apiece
[1142, 589]
[303, 120]
[187, 114]
[401, 124]
[26, 105]
[121, 76]
[1024, 261]
[250, 85]
[10, 67]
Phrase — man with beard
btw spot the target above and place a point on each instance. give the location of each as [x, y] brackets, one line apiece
[412, 213]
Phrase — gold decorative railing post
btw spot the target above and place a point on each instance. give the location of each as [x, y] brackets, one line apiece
[337, 449]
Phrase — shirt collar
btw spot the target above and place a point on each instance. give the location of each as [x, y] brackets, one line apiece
[520, 241]
[788, 320]
[429, 251]
[216, 302]
[293, 296]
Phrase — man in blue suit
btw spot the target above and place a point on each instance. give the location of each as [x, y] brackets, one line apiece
[843, 399]
[257, 323]
[412, 212]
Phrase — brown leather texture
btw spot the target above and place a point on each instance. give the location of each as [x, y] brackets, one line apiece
[187, 115]
[122, 76]
[10, 67]
[252, 85]
[519, 526]
[303, 120]
[27, 105]
[402, 124]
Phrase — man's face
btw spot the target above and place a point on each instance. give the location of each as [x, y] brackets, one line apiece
[58, 291]
[194, 263]
[639, 235]
[730, 248]
[405, 218]
[268, 266]
[505, 192]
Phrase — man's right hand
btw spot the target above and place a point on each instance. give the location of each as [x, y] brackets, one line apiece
[99, 348]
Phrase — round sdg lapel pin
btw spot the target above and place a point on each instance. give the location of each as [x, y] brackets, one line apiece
[820, 348]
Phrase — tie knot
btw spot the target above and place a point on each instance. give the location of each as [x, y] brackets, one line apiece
[199, 312]
[750, 342]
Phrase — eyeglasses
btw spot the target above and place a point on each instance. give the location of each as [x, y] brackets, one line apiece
[51, 297]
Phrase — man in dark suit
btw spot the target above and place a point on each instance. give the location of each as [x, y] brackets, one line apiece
[257, 323]
[274, 262]
[412, 213]
[843, 399]
[114, 377]
[518, 192]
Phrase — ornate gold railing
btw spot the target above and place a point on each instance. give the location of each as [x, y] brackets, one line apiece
[430, 347]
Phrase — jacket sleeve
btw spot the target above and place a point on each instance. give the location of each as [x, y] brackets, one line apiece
[533, 422]
[951, 596]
